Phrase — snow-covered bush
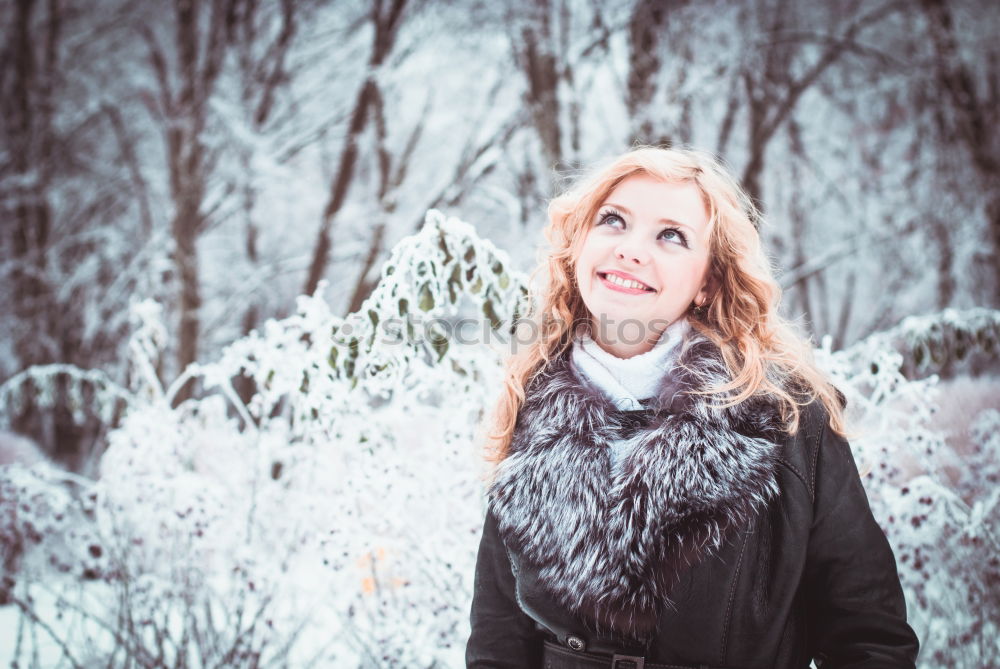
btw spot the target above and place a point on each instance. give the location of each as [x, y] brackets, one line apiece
[332, 520]
[932, 483]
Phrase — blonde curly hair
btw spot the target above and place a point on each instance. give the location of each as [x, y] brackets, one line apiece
[742, 317]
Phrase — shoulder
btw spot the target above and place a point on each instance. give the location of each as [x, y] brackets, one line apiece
[800, 452]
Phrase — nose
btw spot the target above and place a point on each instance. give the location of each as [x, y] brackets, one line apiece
[631, 250]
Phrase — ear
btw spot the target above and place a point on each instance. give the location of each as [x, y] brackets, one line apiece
[708, 289]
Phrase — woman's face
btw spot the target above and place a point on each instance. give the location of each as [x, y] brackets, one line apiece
[652, 232]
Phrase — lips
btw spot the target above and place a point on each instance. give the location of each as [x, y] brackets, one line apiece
[628, 277]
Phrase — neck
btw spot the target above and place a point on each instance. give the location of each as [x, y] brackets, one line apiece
[629, 349]
[628, 381]
[625, 350]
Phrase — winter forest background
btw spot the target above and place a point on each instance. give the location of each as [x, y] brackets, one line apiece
[212, 453]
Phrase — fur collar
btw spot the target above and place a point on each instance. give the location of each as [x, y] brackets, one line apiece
[609, 543]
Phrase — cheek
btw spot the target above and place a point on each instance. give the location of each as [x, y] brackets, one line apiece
[585, 261]
[685, 276]
[579, 266]
[580, 277]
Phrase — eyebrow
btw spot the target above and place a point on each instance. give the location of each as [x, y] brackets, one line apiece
[668, 221]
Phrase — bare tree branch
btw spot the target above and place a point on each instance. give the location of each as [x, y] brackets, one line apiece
[386, 28]
[478, 160]
[159, 65]
[278, 52]
[834, 51]
[769, 110]
[127, 149]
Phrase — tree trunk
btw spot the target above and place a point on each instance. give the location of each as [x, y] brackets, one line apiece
[30, 164]
[387, 21]
[846, 309]
[341, 184]
[536, 57]
[366, 284]
[185, 232]
[976, 119]
[646, 25]
[199, 61]
[28, 85]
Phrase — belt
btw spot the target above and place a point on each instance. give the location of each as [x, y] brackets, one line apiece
[558, 657]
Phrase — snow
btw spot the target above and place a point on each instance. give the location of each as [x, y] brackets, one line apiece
[348, 488]
[334, 517]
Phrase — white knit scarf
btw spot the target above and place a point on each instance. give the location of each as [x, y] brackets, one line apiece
[626, 381]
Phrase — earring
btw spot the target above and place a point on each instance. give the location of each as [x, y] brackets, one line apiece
[698, 310]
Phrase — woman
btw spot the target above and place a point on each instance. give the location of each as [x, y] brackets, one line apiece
[672, 483]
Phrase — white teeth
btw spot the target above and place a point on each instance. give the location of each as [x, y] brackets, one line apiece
[615, 279]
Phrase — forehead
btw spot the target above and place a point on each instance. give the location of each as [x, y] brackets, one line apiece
[647, 196]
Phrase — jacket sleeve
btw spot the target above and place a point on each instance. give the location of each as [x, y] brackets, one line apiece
[503, 636]
[854, 597]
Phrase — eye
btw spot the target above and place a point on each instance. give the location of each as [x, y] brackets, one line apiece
[674, 235]
[610, 216]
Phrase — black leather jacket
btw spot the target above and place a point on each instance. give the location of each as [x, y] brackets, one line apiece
[812, 578]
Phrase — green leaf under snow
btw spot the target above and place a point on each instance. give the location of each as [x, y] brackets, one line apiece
[491, 314]
[455, 284]
[426, 298]
[440, 346]
[443, 245]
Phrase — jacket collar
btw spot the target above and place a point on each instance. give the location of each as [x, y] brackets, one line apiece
[609, 543]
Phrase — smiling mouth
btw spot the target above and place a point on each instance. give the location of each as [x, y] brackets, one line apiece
[642, 288]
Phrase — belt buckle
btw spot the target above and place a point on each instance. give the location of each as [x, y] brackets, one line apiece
[627, 662]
